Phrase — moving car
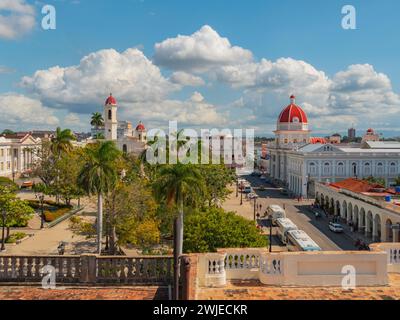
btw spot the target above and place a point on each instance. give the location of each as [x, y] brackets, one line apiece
[335, 227]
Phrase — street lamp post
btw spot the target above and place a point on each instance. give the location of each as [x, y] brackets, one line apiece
[241, 197]
[3, 240]
[40, 196]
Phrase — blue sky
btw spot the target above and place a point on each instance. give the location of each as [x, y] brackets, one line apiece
[339, 76]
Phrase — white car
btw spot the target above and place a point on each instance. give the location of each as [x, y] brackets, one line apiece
[335, 227]
[252, 195]
[247, 189]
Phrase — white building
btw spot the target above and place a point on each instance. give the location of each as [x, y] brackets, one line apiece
[297, 159]
[128, 140]
[17, 154]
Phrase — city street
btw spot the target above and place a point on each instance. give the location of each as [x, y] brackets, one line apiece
[299, 213]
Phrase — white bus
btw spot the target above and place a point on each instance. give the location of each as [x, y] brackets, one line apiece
[284, 225]
[275, 212]
[298, 240]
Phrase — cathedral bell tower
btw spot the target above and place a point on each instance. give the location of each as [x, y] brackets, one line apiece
[110, 118]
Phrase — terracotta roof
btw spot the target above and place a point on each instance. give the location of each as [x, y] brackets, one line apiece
[356, 185]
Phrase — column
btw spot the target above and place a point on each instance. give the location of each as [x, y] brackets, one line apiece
[367, 226]
[374, 230]
[396, 235]
[360, 223]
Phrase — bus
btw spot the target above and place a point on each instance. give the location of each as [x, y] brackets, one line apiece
[284, 225]
[275, 212]
[298, 240]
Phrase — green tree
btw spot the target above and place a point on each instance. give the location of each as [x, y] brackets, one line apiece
[376, 180]
[179, 185]
[97, 120]
[7, 132]
[62, 142]
[17, 211]
[214, 228]
[99, 176]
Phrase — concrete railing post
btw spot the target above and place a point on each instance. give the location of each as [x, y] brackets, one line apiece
[88, 268]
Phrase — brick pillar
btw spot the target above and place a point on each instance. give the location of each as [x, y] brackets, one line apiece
[88, 268]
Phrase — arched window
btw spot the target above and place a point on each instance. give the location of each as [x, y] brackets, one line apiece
[124, 148]
[340, 168]
[379, 168]
[312, 168]
[109, 115]
[285, 141]
[393, 168]
[367, 168]
[354, 168]
[327, 169]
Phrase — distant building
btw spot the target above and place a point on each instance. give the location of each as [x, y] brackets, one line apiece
[335, 138]
[370, 135]
[17, 154]
[351, 133]
[298, 160]
[127, 140]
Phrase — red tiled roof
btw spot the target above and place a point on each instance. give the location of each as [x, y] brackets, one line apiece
[315, 140]
[356, 185]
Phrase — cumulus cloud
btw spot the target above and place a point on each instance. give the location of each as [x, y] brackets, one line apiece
[203, 50]
[18, 110]
[16, 18]
[195, 111]
[130, 74]
[186, 79]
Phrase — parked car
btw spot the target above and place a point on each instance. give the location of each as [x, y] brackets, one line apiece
[335, 227]
[252, 195]
[247, 189]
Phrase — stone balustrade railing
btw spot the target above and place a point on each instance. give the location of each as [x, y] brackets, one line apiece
[88, 269]
[392, 250]
[293, 268]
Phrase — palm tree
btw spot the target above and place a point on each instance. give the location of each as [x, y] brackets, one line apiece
[178, 185]
[62, 142]
[97, 120]
[98, 176]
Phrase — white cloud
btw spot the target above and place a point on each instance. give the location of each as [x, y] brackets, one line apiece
[18, 110]
[199, 52]
[16, 18]
[186, 79]
[128, 74]
[194, 111]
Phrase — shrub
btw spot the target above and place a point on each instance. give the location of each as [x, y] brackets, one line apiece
[214, 228]
[50, 216]
[15, 237]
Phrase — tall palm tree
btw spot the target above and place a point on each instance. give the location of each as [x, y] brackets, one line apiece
[98, 176]
[178, 185]
[97, 120]
[62, 142]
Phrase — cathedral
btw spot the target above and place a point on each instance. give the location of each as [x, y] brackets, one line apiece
[127, 139]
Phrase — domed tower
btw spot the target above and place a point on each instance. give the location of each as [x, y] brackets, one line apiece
[140, 132]
[292, 126]
[110, 118]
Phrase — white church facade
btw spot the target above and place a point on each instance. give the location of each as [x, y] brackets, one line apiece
[127, 139]
[296, 159]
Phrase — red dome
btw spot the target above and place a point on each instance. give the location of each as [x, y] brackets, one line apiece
[111, 100]
[140, 127]
[370, 130]
[291, 112]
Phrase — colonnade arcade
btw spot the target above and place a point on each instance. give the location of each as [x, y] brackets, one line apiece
[363, 218]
